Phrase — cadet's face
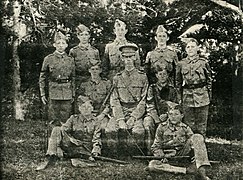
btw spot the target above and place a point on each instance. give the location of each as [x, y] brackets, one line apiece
[129, 60]
[192, 49]
[95, 70]
[120, 31]
[161, 37]
[60, 45]
[83, 37]
[86, 108]
[175, 116]
[162, 76]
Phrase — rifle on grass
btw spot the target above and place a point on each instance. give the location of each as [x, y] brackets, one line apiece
[103, 158]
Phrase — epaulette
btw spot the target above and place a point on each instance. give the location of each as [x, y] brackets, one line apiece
[74, 48]
[141, 72]
[104, 79]
[183, 125]
[119, 73]
[203, 59]
[164, 123]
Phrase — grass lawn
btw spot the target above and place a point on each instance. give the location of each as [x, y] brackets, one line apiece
[22, 151]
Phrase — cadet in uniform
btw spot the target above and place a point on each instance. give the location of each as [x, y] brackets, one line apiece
[97, 89]
[178, 139]
[57, 81]
[128, 103]
[161, 56]
[112, 62]
[158, 95]
[194, 79]
[80, 135]
[84, 55]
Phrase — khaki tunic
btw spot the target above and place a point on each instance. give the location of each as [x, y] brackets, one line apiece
[96, 92]
[57, 77]
[77, 135]
[164, 58]
[181, 139]
[84, 58]
[112, 62]
[194, 79]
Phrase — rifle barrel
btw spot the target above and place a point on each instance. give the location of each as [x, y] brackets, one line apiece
[160, 158]
[102, 158]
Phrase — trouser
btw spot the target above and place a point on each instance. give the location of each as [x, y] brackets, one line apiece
[60, 144]
[194, 146]
[196, 118]
[125, 141]
[149, 126]
[59, 111]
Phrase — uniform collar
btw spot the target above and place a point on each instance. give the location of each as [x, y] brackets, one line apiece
[85, 119]
[120, 41]
[129, 73]
[173, 127]
[60, 55]
[194, 59]
[95, 82]
[160, 49]
[160, 86]
[84, 47]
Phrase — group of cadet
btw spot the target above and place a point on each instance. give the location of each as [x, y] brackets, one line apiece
[134, 109]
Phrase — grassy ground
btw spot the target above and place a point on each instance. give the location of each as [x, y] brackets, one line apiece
[22, 150]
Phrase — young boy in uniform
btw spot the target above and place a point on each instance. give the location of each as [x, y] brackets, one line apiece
[180, 140]
[80, 135]
[57, 81]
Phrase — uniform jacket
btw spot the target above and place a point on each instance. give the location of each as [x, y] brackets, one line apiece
[84, 58]
[112, 56]
[158, 96]
[164, 58]
[86, 131]
[169, 136]
[96, 92]
[193, 77]
[130, 89]
[57, 77]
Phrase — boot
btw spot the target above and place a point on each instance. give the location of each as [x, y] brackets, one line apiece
[158, 166]
[49, 161]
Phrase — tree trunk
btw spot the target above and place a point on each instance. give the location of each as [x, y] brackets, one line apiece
[18, 107]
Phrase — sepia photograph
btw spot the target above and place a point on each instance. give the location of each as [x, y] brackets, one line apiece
[121, 89]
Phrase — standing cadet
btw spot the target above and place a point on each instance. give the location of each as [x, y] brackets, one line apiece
[57, 81]
[161, 56]
[178, 137]
[158, 95]
[84, 55]
[112, 58]
[128, 103]
[194, 79]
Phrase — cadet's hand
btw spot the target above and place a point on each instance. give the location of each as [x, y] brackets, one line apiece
[130, 122]
[44, 100]
[122, 124]
[159, 153]
[106, 110]
[95, 154]
[91, 158]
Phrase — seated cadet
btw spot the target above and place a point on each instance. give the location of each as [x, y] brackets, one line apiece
[127, 102]
[97, 90]
[158, 95]
[177, 136]
[80, 135]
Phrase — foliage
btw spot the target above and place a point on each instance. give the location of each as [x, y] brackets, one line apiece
[44, 18]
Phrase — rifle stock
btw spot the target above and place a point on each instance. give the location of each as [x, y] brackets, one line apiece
[160, 158]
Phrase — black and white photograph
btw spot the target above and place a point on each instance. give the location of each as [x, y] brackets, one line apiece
[121, 89]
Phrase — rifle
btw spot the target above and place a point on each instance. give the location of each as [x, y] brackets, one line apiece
[103, 158]
[172, 158]
[156, 101]
[175, 158]
[102, 107]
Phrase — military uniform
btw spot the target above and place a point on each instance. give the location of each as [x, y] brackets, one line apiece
[164, 58]
[193, 77]
[78, 135]
[112, 58]
[84, 58]
[57, 82]
[182, 141]
[128, 100]
[156, 108]
[112, 62]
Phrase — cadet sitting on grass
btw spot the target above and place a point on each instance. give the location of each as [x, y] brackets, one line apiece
[80, 135]
[178, 137]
